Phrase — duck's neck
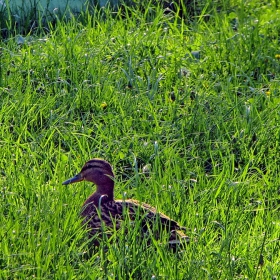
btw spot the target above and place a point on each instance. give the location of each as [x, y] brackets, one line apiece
[103, 193]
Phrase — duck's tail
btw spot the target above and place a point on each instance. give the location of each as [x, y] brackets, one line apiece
[178, 238]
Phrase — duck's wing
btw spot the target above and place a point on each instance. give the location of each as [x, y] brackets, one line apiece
[155, 221]
[148, 214]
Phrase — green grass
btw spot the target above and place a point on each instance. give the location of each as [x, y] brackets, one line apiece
[197, 102]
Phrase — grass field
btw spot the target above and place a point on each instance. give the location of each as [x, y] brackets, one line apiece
[196, 103]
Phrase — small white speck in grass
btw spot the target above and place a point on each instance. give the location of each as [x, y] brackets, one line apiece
[232, 184]
[145, 144]
[16, 16]
[153, 277]
[20, 40]
[156, 146]
[247, 111]
[146, 169]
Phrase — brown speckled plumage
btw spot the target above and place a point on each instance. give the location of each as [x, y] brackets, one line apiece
[101, 208]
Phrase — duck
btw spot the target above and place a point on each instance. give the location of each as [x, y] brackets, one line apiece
[101, 209]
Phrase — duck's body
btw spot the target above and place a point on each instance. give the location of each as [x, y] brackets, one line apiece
[100, 209]
[112, 214]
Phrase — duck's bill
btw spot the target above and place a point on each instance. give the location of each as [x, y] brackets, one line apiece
[74, 179]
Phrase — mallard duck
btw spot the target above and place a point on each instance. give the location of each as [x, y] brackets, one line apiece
[101, 208]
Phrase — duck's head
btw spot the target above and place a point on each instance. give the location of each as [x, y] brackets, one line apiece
[97, 171]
